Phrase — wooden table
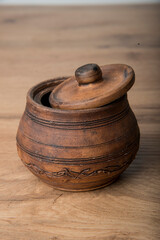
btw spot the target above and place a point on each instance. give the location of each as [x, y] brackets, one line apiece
[38, 43]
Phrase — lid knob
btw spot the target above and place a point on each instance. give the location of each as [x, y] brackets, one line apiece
[88, 73]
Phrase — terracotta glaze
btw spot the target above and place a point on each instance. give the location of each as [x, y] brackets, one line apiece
[76, 149]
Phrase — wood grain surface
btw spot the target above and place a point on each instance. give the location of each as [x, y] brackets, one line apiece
[38, 43]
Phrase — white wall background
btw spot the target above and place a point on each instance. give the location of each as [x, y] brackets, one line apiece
[75, 2]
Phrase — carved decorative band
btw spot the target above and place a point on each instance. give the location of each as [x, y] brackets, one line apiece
[79, 125]
[66, 172]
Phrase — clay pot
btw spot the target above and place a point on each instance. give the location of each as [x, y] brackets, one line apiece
[76, 149]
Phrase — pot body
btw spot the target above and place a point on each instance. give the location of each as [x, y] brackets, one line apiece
[76, 150]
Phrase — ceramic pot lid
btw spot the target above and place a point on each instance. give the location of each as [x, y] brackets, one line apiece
[93, 86]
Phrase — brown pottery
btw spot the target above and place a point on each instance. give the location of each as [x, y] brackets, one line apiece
[79, 133]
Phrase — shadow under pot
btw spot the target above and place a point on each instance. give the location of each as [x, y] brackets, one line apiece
[79, 133]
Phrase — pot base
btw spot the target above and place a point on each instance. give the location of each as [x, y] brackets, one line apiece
[85, 189]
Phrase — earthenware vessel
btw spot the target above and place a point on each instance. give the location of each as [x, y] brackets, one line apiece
[79, 133]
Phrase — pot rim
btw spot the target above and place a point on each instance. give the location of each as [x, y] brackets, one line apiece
[47, 83]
